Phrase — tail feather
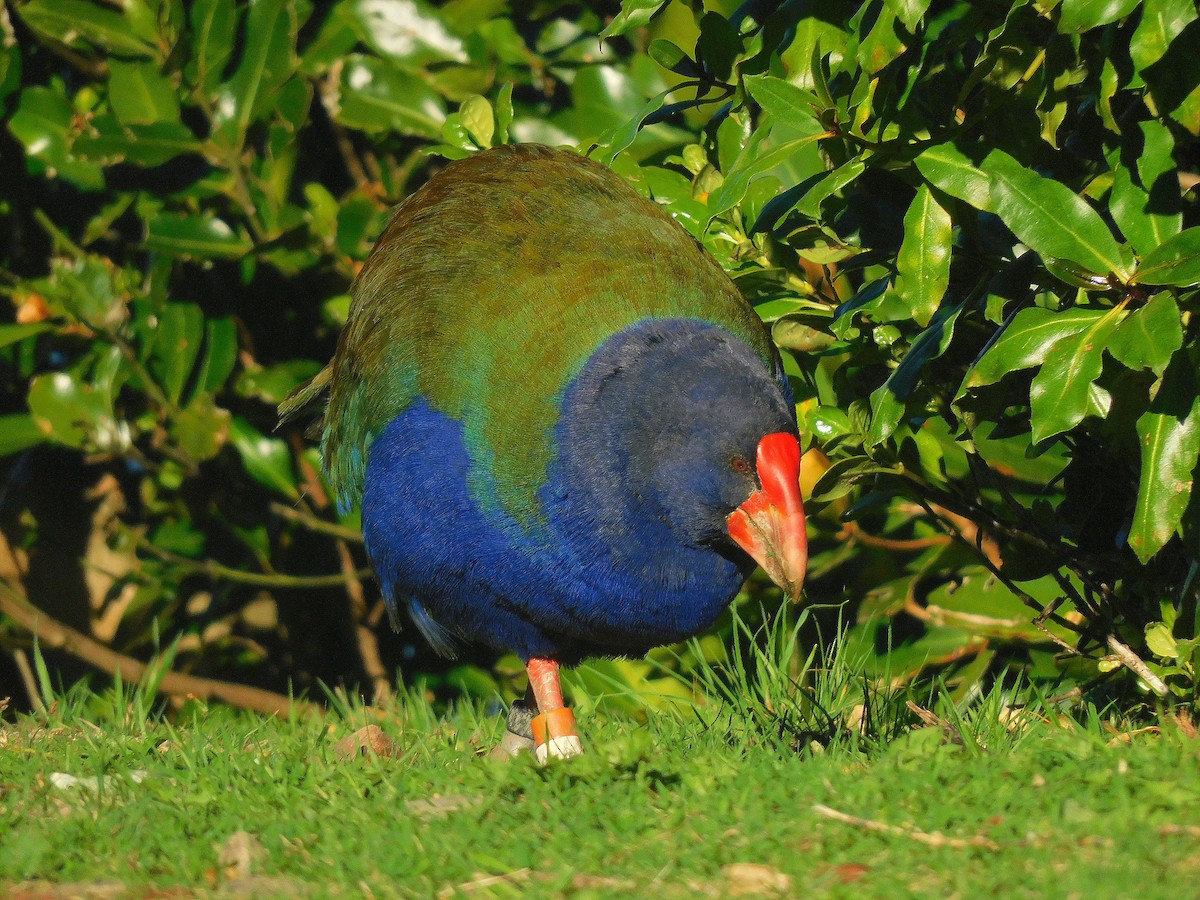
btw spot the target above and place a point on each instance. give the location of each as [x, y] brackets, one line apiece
[299, 399]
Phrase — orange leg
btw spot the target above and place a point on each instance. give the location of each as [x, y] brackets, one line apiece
[554, 731]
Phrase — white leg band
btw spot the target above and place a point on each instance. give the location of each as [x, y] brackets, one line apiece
[560, 748]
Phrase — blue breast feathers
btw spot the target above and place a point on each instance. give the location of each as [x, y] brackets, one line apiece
[632, 550]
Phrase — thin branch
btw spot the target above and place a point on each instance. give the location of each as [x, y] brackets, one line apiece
[315, 523]
[31, 688]
[1134, 663]
[929, 838]
[216, 570]
[368, 643]
[57, 636]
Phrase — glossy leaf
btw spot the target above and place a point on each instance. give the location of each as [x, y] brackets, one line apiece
[786, 103]
[1063, 391]
[1175, 261]
[1054, 220]
[888, 400]
[42, 123]
[109, 142]
[266, 460]
[193, 236]
[923, 264]
[140, 94]
[19, 431]
[213, 28]
[409, 32]
[1162, 21]
[102, 26]
[1028, 341]
[950, 170]
[910, 12]
[633, 14]
[1080, 15]
[177, 340]
[376, 96]
[1149, 336]
[266, 63]
[1143, 226]
[1169, 434]
[69, 412]
[737, 181]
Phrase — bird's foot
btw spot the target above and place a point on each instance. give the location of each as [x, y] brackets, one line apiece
[555, 736]
[518, 736]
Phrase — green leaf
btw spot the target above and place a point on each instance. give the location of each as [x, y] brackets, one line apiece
[266, 63]
[1027, 341]
[42, 123]
[200, 429]
[910, 12]
[213, 28]
[888, 400]
[1174, 79]
[1175, 262]
[273, 383]
[376, 96]
[1131, 209]
[1149, 336]
[110, 142]
[411, 33]
[19, 431]
[265, 459]
[748, 167]
[950, 170]
[220, 354]
[70, 412]
[177, 341]
[1169, 433]
[504, 112]
[1160, 641]
[11, 334]
[477, 117]
[193, 236]
[139, 94]
[672, 58]
[810, 204]
[1063, 391]
[101, 26]
[923, 263]
[1053, 220]
[1162, 21]
[1080, 15]
[786, 103]
[882, 44]
[633, 14]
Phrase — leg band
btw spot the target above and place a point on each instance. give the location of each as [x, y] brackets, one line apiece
[555, 736]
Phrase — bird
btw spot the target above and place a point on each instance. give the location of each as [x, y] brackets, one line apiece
[568, 433]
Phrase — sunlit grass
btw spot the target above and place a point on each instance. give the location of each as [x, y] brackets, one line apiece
[803, 775]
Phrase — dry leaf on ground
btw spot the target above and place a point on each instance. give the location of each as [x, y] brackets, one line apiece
[369, 740]
[755, 879]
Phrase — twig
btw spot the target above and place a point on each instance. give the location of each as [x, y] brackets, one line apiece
[368, 643]
[57, 636]
[222, 572]
[314, 523]
[929, 838]
[486, 881]
[1133, 662]
[31, 688]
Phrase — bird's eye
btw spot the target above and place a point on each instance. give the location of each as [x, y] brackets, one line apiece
[739, 464]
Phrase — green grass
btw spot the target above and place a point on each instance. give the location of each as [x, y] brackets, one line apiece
[671, 806]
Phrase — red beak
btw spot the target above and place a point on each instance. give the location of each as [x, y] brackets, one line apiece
[770, 525]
